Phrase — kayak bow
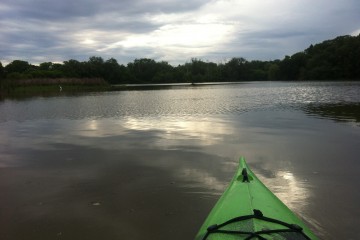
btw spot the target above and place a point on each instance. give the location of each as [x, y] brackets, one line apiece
[249, 210]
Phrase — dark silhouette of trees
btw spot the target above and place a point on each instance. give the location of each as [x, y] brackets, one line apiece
[18, 66]
[143, 70]
[334, 59]
[2, 72]
[337, 59]
[113, 72]
[234, 69]
[273, 72]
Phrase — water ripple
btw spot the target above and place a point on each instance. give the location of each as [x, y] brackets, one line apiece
[209, 100]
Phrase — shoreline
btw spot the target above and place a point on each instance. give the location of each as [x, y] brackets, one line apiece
[25, 88]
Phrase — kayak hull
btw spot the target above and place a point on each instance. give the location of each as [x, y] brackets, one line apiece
[249, 210]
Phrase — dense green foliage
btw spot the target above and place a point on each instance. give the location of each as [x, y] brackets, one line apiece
[335, 59]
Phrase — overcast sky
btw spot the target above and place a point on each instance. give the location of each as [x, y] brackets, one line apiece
[169, 30]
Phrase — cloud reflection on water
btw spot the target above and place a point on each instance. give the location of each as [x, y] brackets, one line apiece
[205, 131]
[194, 136]
[204, 179]
[292, 191]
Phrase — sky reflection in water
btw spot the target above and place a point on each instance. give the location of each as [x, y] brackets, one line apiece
[121, 149]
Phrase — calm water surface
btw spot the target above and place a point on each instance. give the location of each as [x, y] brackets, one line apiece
[150, 164]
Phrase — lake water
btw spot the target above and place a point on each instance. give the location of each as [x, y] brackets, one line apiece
[151, 163]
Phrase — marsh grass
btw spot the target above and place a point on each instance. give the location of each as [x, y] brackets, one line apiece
[59, 81]
[18, 88]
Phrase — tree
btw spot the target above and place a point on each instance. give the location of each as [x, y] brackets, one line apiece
[213, 73]
[338, 58]
[2, 72]
[234, 70]
[273, 71]
[143, 70]
[95, 66]
[113, 72]
[73, 68]
[198, 70]
[45, 66]
[290, 67]
[18, 66]
[164, 73]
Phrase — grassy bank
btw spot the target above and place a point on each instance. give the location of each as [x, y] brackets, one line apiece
[18, 88]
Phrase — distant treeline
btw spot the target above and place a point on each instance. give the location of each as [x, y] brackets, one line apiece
[337, 59]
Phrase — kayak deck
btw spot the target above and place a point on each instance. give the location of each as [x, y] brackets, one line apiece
[249, 210]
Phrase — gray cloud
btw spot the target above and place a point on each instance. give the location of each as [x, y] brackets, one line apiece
[48, 10]
[52, 10]
[170, 30]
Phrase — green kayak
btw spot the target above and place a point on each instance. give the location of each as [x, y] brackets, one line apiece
[249, 210]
